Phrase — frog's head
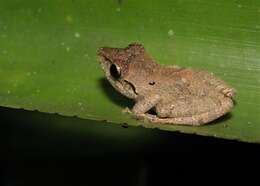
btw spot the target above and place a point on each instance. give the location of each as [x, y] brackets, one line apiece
[116, 64]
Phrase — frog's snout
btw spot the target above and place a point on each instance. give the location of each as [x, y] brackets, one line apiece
[102, 56]
[100, 51]
[104, 51]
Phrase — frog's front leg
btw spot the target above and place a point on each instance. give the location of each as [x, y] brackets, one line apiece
[143, 105]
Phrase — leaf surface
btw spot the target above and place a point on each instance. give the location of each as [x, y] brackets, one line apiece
[48, 54]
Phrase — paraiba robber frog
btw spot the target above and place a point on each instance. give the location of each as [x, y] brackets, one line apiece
[176, 95]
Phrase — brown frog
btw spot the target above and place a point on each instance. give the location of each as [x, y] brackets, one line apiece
[175, 95]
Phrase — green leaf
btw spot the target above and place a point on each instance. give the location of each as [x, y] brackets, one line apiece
[48, 54]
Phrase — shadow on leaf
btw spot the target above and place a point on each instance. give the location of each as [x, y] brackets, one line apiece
[113, 95]
[222, 119]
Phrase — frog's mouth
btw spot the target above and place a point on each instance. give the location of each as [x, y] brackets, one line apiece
[114, 76]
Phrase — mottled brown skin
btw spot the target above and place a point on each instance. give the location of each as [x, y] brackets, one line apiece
[177, 95]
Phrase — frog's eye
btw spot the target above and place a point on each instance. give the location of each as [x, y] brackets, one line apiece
[115, 71]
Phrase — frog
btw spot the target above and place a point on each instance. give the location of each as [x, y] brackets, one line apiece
[163, 94]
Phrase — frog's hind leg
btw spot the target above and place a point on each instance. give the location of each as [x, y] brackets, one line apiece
[219, 85]
[194, 120]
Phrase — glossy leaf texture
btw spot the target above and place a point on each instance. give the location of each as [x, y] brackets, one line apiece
[48, 55]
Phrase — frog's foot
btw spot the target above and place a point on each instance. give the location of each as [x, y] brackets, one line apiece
[127, 110]
[139, 116]
[192, 120]
[224, 88]
[229, 92]
[146, 117]
[170, 121]
[218, 84]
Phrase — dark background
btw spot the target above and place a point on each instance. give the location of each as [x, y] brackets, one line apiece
[49, 149]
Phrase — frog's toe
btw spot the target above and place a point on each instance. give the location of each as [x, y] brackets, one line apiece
[127, 110]
[229, 92]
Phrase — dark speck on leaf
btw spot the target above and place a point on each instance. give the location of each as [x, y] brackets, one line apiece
[124, 125]
[120, 2]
